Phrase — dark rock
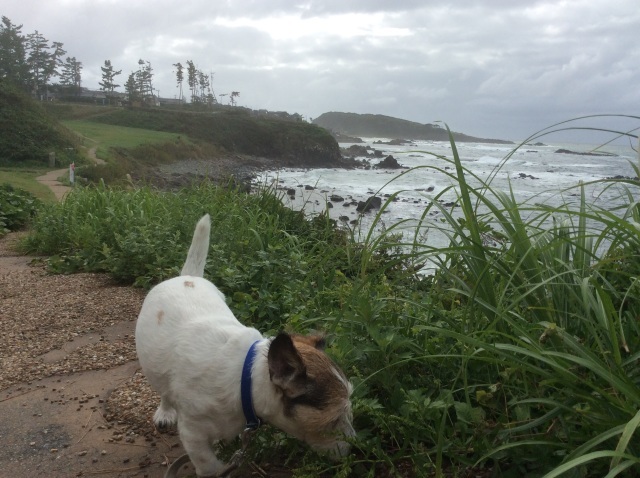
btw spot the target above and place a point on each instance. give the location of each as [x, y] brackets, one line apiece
[309, 188]
[336, 198]
[394, 142]
[345, 138]
[291, 192]
[374, 202]
[567, 151]
[357, 150]
[388, 163]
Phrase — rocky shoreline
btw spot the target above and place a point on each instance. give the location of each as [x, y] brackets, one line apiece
[240, 169]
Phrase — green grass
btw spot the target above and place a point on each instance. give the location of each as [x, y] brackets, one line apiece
[105, 136]
[25, 178]
[520, 354]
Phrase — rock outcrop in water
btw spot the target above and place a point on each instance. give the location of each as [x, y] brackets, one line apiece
[388, 163]
[568, 151]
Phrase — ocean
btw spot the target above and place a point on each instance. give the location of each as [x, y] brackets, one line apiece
[536, 174]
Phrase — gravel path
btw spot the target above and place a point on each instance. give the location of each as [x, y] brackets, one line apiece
[72, 398]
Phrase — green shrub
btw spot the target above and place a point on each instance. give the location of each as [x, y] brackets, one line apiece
[17, 207]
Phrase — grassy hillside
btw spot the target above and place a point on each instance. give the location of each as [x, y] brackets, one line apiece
[103, 137]
[369, 125]
[29, 134]
[234, 131]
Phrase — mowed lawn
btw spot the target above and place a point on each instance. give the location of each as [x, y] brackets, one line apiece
[105, 136]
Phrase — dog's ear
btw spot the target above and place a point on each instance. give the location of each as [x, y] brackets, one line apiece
[320, 342]
[286, 368]
[317, 341]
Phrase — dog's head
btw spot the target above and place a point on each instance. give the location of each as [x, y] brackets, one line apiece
[314, 392]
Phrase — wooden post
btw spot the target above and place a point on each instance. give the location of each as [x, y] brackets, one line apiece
[52, 159]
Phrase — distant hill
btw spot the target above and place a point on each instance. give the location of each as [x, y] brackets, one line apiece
[369, 125]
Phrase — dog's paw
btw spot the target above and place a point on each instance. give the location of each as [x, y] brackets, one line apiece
[165, 418]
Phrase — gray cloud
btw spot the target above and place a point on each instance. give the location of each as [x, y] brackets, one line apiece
[489, 68]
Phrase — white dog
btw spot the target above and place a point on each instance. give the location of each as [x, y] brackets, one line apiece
[193, 351]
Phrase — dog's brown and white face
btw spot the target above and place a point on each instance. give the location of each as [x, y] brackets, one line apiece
[315, 392]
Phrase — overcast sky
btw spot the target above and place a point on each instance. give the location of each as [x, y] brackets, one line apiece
[493, 68]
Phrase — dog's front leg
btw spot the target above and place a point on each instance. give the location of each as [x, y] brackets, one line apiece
[197, 441]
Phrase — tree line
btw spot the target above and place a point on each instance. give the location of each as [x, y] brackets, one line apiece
[31, 62]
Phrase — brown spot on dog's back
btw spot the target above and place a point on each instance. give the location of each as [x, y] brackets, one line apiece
[160, 316]
[188, 283]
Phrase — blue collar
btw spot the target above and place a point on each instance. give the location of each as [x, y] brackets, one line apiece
[253, 421]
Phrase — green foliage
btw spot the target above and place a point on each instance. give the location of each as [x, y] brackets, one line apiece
[17, 207]
[518, 354]
[28, 133]
[235, 130]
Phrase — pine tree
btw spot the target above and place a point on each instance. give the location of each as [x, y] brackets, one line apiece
[203, 82]
[179, 77]
[192, 80]
[55, 58]
[108, 79]
[13, 57]
[71, 75]
[38, 61]
[143, 79]
[54, 64]
[131, 88]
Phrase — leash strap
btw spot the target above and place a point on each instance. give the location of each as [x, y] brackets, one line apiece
[253, 421]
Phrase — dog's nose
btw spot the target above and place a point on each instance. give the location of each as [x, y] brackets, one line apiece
[342, 449]
[349, 431]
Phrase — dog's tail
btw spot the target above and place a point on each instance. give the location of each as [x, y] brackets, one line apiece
[197, 256]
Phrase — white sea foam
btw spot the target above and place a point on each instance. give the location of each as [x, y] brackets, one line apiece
[536, 174]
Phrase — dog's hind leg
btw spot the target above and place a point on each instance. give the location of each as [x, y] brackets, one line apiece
[165, 416]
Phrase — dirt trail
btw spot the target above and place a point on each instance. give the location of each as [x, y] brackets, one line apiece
[50, 179]
[71, 337]
[59, 189]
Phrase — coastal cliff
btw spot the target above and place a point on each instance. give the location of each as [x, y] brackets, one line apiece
[237, 131]
[376, 126]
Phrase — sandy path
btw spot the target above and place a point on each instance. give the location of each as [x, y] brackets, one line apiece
[50, 179]
[60, 422]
